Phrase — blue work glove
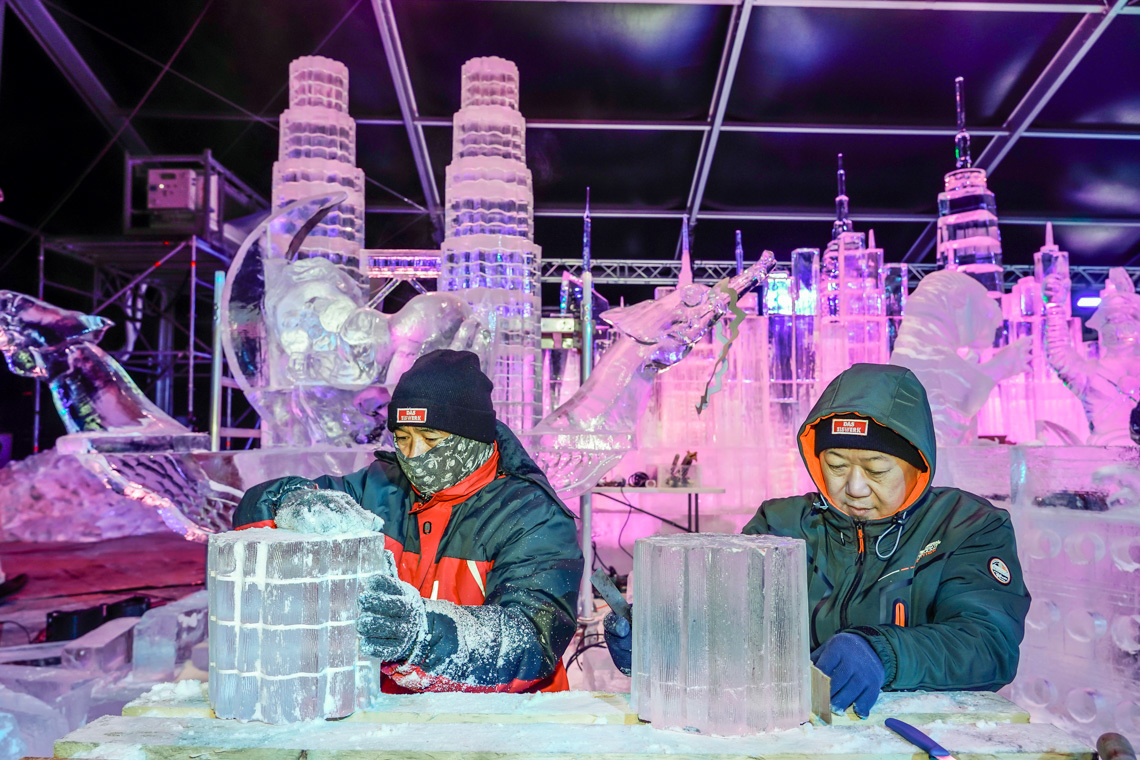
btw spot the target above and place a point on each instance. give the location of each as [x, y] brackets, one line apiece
[392, 619]
[855, 670]
[619, 640]
[260, 502]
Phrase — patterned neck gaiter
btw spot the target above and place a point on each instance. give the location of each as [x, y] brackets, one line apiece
[447, 463]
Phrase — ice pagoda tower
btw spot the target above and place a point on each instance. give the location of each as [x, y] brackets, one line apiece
[968, 237]
[489, 251]
[317, 155]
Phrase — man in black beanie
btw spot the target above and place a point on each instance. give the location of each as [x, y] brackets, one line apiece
[909, 586]
[487, 554]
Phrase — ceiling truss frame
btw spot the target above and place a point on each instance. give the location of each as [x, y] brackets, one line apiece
[401, 78]
[1070, 53]
[63, 53]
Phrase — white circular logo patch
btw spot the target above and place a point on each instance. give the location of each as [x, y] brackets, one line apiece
[999, 571]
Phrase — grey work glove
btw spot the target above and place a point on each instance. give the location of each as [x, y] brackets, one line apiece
[392, 619]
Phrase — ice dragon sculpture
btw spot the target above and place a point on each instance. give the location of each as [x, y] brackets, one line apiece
[948, 314]
[134, 450]
[307, 349]
[588, 434]
[1108, 386]
[91, 391]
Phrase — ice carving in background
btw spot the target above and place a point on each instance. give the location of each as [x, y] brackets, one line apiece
[306, 349]
[92, 392]
[283, 642]
[489, 256]
[589, 434]
[968, 236]
[317, 156]
[950, 314]
[1109, 385]
[1077, 515]
[720, 639]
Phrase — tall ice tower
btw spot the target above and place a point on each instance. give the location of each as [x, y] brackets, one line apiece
[317, 155]
[489, 251]
[968, 237]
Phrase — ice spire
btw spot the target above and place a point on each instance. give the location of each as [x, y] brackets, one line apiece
[686, 275]
[739, 255]
[962, 139]
[842, 223]
[586, 235]
[1048, 237]
[870, 238]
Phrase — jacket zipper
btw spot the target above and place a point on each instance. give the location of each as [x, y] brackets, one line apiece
[858, 577]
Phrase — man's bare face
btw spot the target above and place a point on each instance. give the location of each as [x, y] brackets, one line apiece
[866, 485]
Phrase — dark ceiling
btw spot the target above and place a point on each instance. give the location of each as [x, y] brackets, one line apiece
[621, 98]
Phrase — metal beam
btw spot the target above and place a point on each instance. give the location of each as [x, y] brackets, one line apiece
[734, 42]
[62, 52]
[1079, 42]
[920, 5]
[398, 65]
[781, 215]
[666, 271]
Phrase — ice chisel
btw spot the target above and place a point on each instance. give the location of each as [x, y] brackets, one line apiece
[917, 738]
[605, 586]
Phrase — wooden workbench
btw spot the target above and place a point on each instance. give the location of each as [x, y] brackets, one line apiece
[566, 726]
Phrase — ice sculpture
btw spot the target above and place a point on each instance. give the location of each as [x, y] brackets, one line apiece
[306, 349]
[317, 156]
[950, 314]
[1109, 385]
[720, 638]
[968, 236]
[489, 255]
[1080, 658]
[91, 391]
[283, 642]
[586, 436]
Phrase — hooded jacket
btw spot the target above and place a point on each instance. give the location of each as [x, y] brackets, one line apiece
[936, 588]
[495, 557]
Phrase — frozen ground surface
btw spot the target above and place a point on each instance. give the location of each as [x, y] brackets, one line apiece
[122, 735]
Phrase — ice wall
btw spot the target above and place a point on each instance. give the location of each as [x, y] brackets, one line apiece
[283, 643]
[489, 253]
[720, 637]
[1076, 511]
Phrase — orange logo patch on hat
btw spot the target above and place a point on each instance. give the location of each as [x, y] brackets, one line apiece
[411, 416]
[849, 427]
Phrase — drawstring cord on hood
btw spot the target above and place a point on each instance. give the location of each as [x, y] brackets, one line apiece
[897, 521]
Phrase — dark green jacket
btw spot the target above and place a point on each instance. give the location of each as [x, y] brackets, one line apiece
[936, 589]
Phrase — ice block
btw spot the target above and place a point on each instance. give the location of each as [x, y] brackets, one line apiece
[283, 644]
[165, 635]
[720, 633]
[104, 649]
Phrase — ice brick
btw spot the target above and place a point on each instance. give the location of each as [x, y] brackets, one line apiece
[39, 724]
[12, 746]
[720, 640]
[104, 649]
[283, 645]
[165, 635]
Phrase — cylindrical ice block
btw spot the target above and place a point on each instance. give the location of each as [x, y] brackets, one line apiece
[720, 633]
[283, 644]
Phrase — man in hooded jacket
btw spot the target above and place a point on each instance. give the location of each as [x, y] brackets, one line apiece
[488, 560]
[910, 587]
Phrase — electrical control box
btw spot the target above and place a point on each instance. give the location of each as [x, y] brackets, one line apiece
[173, 189]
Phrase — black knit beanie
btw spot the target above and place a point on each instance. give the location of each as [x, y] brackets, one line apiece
[852, 431]
[447, 391]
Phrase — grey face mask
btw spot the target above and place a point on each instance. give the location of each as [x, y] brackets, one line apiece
[442, 466]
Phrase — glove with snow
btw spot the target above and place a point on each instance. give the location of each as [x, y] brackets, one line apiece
[392, 619]
[855, 670]
[619, 640]
[260, 502]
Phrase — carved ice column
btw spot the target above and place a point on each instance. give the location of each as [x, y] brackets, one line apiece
[283, 642]
[720, 638]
